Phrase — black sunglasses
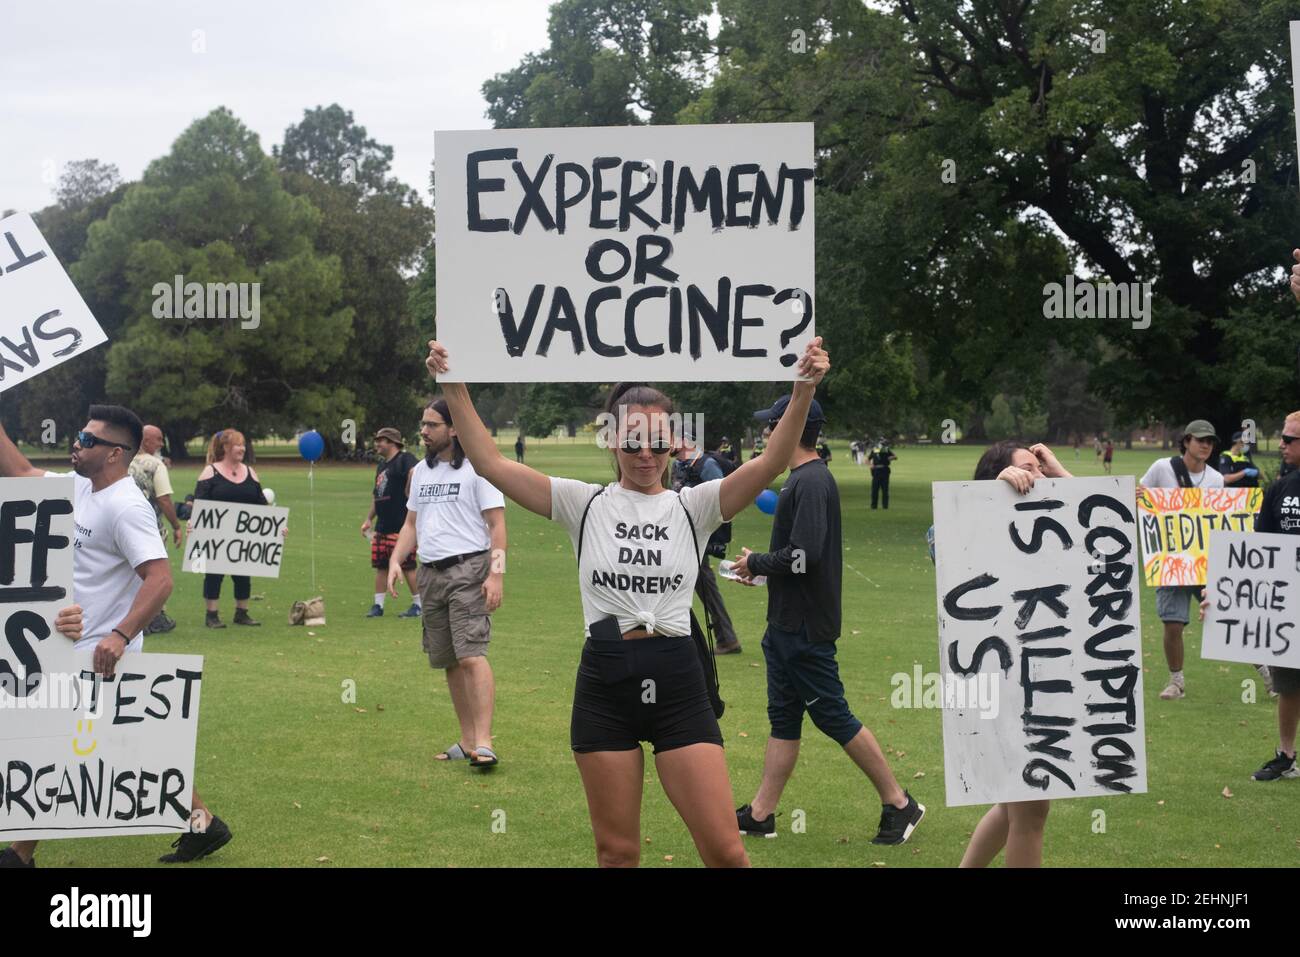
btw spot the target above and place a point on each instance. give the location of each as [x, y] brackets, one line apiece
[1288, 439]
[88, 440]
[633, 447]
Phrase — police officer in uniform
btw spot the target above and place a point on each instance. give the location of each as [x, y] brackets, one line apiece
[880, 458]
[1239, 471]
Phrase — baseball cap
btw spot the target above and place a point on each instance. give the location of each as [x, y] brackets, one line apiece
[391, 434]
[1238, 436]
[1200, 429]
[779, 406]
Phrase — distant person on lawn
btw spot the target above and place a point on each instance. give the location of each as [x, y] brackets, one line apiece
[388, 515]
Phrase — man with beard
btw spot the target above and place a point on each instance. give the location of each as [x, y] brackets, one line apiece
[457, 522]
[121, 577]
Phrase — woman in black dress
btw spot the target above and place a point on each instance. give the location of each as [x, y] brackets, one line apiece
[228, 479]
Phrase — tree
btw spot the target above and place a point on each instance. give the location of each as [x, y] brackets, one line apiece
[214, 210]
[380, 231]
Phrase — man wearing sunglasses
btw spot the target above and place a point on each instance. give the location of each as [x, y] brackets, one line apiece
[121, 576]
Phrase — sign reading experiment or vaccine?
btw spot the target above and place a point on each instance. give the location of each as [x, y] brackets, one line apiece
[44, 322]
[1040, 592]
[227, 538]
[660, 253]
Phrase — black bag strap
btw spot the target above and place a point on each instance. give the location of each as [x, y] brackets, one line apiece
[1180, 470]
[694, 538]
[582, 526]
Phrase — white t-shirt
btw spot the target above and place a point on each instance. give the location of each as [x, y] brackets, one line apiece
[1161, 475]
[637, 560]
[448, 504]
[115, 533]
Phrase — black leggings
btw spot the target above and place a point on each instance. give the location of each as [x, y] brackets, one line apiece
[212, 587]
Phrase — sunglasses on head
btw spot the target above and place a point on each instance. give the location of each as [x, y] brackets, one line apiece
[88, 441]
[634, 446]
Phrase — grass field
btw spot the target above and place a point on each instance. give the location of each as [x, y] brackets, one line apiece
[307, 780]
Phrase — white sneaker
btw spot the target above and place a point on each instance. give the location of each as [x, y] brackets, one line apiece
[1172, 692]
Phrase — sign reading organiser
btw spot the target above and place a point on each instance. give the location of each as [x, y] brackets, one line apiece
[1254, 595]
[79, 755]
[1176, 527]
[664, 253]
[43, 319]
[1039, 592]
[227, 538]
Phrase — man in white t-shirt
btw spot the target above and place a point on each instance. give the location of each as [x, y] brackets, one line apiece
[1189, 470]
[456, 521]
[121, 576]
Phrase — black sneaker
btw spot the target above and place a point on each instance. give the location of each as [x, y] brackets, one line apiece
[752, 828]
[897, 824]
[241, 618]
[376, 611]
[213, 620]
[1280, 767]
[9, 858]
[412, 612]
[192, 846]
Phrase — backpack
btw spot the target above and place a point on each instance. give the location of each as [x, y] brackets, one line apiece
[703, 645]
[721, 537]
[1180, 471]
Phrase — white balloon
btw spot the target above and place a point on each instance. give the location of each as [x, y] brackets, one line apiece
[270, 495]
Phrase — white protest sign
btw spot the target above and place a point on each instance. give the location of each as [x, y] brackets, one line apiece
[227, 538]
[1039, 594]
[1253, 586]
[667, 253]
[43, 319]
[1295, 76]
[79, 756]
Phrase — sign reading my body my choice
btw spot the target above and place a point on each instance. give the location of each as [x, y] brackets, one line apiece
[227, 538]
[662, 253]
[43, 319]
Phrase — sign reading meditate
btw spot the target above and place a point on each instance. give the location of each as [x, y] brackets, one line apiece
[1039, 592]
[227, 538]
[1176, 527]
[81, 755]
[44, 321]
[1254, 595]
[662, 253]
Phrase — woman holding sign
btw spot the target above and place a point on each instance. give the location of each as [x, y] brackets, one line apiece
[639, 547]
[1016, 825]
[228, 479]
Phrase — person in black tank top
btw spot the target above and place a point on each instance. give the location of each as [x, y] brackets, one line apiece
[228, 479]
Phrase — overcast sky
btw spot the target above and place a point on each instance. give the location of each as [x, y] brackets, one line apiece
[120, 81]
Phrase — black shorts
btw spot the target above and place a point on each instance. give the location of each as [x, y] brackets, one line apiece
[641, 689]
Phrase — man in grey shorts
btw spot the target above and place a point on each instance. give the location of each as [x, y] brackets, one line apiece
[456, 521]
[1191, 469]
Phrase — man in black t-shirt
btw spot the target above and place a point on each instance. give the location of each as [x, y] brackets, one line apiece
[880, 458]
[1280, 513]
[803, 569]
[388, 515]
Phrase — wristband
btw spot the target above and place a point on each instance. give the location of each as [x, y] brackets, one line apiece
[118, 631]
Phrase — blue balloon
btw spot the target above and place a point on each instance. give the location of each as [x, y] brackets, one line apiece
[766, 502]
[311, 446]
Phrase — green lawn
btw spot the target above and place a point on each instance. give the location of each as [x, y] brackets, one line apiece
[305, 779]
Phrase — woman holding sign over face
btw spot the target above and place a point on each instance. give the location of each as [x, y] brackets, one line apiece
[639, 546]
[228, 479]
[1016, 825]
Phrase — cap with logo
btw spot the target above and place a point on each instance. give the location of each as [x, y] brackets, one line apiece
[779, 406]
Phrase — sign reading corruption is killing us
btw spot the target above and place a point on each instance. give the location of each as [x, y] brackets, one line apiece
[43, 319]
[1176, 527]
[81, 756]
[664, 253]
[227, 538]
[1038, 593]
[1254, 595]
